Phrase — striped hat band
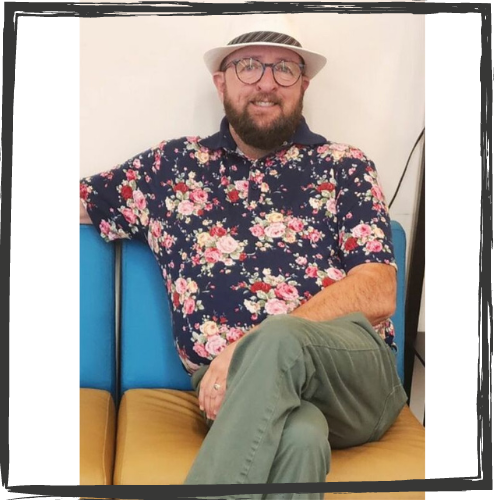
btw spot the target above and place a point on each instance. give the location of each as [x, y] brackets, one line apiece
[267, 37]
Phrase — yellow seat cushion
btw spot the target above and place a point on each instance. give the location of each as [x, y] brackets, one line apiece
[161, 430]
[398, 455]
[97, 437]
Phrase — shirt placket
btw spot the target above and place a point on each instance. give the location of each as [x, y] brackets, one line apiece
[257, 180]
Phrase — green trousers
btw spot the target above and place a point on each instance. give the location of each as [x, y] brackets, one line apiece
[295, 389]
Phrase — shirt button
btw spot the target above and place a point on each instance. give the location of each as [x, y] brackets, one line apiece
[255, 186]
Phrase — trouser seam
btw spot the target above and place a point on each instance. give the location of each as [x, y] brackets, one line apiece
[394, 389]
[266, 421]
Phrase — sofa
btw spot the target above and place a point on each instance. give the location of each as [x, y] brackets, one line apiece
[139, 419]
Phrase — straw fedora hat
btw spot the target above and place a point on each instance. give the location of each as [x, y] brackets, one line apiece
[264, 30]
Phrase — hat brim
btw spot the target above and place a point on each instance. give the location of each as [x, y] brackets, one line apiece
[314, 62]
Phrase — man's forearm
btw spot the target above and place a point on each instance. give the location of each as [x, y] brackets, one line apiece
[369, 288]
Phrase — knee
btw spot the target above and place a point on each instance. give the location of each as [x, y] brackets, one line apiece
[307, 434]
[306, 427]
[305, 437]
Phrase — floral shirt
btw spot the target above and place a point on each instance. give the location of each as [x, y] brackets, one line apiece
[238, 239]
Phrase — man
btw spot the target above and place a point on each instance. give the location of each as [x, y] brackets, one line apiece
[276, 252]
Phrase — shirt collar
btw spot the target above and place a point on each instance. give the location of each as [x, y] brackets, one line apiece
[224, 140]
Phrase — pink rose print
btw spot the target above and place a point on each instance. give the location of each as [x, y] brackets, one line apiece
[362, 231]
[131, 175]
[84, 194]
[377, 193]
[335, 274]
[295, 224]
[314, 236]
[356, 153]
[185, 207]
[276, 306]
[257, 177]
[110, 231]
[136, 163]
[234, 334]
[241, 185]
[189, 306]
[286, 292]
[257, 231]
[139, 200]
[212, 255]
[156, 229]
[181, 286]
[331, 206]
[374, 246]
[312, 272]
[104, 227]
[275, 230]
[215, 345]
[129, 215]
[200, 350]
[168, 241]
[227, 244]
[301, 261]
[199, 196]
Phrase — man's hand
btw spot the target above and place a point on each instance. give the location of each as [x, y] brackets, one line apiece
[210, 398]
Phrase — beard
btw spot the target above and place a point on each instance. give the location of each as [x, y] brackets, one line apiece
[266, 137]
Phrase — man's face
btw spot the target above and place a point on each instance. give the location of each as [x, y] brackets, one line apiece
[263, 114]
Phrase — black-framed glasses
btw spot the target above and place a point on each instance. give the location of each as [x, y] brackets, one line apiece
[250, 70]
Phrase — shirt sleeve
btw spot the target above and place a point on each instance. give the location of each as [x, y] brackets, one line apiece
[362, 215]
[120, 201]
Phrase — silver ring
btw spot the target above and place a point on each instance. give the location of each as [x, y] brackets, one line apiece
[216, 387]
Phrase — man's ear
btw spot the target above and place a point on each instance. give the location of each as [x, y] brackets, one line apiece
[219, 80]
[305, 82]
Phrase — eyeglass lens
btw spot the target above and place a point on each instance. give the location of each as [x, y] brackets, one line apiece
[286, 73]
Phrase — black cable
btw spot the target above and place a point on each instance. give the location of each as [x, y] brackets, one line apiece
[406, 167]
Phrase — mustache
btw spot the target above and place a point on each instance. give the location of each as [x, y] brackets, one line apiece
[266, 97]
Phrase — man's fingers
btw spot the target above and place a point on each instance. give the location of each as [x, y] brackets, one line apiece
[208, 393]
[218, 402]
[216, 397]
[205, 390]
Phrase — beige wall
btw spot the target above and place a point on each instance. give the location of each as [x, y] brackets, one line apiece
[143, 80]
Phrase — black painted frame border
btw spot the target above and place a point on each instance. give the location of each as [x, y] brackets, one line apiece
[483, 480]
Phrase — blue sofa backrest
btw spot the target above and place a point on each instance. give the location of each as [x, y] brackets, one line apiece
[97, 312]
[148, 355]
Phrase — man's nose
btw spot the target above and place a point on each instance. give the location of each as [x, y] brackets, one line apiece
[267, 82]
